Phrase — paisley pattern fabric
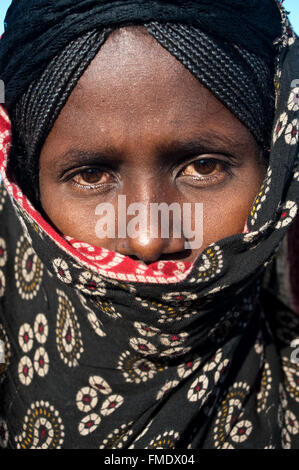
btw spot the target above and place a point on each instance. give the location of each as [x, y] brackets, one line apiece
[101, 352]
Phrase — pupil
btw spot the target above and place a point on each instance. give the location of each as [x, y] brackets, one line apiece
[205, 166]
[91, 175]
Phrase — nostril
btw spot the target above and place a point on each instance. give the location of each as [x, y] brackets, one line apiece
[143, 261]
[181, 255]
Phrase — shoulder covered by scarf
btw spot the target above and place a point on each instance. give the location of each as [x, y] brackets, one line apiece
[101, 352]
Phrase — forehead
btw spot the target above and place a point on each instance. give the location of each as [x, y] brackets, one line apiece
[134, 88]
[133, 71]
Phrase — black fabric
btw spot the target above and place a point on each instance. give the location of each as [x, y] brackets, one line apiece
[37, 30]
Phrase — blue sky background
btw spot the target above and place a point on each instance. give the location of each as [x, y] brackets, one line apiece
[4, 4]
[291, 5]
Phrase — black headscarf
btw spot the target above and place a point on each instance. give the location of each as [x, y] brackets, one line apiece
[98, 354]
[37, 30]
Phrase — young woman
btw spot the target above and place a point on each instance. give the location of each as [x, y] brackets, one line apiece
[113, 337]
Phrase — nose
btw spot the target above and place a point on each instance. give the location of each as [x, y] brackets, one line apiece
[148, 250]
[152, 234]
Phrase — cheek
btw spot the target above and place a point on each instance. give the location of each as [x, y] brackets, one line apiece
[78, 222]
[226, 213]
[225, 218]
[74, 216]
[70, 216]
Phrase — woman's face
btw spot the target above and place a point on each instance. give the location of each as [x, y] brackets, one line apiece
[138, 124]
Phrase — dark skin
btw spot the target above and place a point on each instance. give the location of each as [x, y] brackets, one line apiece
[144, 127]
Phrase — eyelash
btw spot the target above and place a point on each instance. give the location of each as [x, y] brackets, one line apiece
[102, 187]
[227, 167]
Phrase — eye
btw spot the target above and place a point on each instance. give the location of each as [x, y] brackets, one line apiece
[202, 167]
[207, 170]
[91, 177]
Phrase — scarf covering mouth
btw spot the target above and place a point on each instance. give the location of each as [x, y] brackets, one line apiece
[95, 358]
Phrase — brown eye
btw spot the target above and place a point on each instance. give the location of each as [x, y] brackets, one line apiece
[91, 176]
[204, 167]
[207, 172]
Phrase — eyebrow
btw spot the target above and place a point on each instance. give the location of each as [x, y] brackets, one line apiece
[209, 142]
[78, 157]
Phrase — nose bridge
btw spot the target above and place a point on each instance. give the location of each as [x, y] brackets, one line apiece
[148, 231]
[147, 186]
